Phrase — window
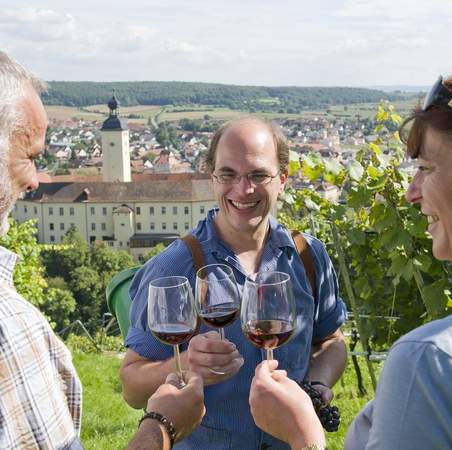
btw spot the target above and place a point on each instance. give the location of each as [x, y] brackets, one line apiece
[186, 210]
[175, 226]
[35, 210]
[103, 226]
[163, 226]
[138, 226]
[174, 210]
[52, 238]
[92, 210]
[151, 210]
[138, 210]
[186, 225]
[202, 210]
[61, 211]
[61, 226]
[25, 209]
[71, 211]
[61, 238]
[163, 209]
[50, 211]
[120, 243]
[72, 225]
[104, 211]
[93, 226]
[110, 243]
[51, 226]
[152, 226]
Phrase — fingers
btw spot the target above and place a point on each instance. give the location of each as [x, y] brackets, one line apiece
[265, 367]
[211, 343]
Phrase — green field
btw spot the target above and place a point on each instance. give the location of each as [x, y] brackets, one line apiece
[108, 423]
[175, 113]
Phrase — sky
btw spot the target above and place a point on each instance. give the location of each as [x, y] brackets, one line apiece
[246, 42]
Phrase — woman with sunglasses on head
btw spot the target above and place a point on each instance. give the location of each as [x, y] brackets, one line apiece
[412, 408]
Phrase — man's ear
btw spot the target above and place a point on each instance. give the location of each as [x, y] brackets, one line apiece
[283, 177]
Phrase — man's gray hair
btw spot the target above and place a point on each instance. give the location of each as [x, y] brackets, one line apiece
[14, 80]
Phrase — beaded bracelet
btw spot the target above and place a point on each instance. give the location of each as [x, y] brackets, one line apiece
[169, 427]
[316, 383]
[314, 447]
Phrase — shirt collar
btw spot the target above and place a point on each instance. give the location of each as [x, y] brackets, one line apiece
[279, 236]
[8, 260]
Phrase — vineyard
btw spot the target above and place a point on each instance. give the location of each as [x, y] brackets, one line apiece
[377, 240]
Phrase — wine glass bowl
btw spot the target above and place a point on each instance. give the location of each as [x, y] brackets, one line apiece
[171, 312]
[217, 296]
[268, 314]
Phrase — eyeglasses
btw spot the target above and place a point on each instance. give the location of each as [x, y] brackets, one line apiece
[255, 178]
[438, 95]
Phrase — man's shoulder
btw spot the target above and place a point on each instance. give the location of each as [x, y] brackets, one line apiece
[13, 304]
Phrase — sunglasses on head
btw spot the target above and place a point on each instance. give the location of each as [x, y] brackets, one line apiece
[438, 95]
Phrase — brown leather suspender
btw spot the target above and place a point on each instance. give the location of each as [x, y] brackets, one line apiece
[301, 245]
[305, 253]
[196, 251]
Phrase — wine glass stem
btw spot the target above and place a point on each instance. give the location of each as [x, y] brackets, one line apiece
[221, 330]
[269, 354]
[178, 364]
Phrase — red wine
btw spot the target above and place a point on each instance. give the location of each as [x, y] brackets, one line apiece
[173, 334]
[219, 316]
[268, 333]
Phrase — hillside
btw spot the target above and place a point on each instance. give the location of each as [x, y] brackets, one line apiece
[252, 98]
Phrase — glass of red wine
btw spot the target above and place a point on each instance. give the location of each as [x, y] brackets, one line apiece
[217, 296]
[172, 315]
[268, 313]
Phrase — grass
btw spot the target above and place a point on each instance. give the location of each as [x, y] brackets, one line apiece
[108, 423]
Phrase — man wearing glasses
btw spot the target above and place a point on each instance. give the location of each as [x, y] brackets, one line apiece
[248, 161]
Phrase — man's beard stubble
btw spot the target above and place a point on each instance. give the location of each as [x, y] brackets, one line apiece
[6, 203]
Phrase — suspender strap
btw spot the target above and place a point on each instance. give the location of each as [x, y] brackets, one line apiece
[196, 251]
[305, 253]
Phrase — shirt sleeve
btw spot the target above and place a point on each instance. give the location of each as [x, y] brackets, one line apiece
[412, 407]
[330, 310]
[174, 260]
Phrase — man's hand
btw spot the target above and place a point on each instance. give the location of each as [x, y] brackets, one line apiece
[214, 359]
[183, 406]
[281, 408]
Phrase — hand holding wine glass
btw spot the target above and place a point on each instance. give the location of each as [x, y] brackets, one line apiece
[217, 296]
[268, 310]
[171, 313]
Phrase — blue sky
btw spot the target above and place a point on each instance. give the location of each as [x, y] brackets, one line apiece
[251, 42]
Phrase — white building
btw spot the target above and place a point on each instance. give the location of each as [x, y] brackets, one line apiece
[129, 215]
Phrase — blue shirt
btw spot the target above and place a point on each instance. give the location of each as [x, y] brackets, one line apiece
[228, 423]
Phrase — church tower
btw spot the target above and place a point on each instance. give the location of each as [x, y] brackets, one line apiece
[115, 146]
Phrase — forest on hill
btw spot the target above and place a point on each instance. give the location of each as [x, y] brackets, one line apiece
[252, 98]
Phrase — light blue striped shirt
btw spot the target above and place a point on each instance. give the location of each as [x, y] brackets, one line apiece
[228, 423]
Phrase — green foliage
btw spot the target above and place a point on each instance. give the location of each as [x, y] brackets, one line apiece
[384, 239]
[83, 344]
[86, 270]
[28, 275]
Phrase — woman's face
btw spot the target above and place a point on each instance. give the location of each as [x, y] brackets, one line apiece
[431, 187]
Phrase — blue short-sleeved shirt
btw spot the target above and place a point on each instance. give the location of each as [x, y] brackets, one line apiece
[228, 423]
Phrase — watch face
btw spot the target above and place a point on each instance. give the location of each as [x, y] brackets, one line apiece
[112, 144]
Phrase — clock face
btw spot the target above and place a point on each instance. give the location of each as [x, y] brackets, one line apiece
[112, 144]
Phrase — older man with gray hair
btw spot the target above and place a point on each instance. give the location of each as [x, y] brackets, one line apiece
[40, 392]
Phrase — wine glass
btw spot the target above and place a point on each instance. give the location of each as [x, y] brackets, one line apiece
[217, 296]
[268, 313]
[171, 313]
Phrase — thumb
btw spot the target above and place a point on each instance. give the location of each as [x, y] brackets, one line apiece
[173, 379]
